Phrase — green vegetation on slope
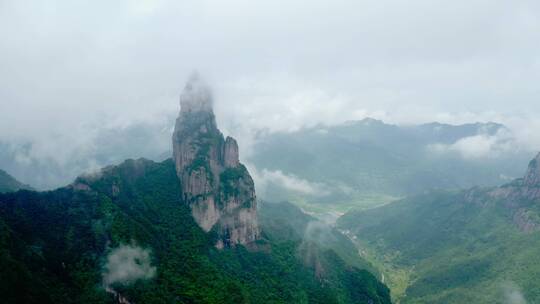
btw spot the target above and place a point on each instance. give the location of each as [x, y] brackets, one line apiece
[53, 246]
[448, 248]
[284, 221]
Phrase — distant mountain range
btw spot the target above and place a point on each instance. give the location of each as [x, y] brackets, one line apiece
[371, 160]
[10, 184]
[45, 167]
[343, 161]
[480, 245]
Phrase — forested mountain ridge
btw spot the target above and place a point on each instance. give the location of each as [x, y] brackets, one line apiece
[473, 246]
[370, 158]
[184, 230]
[57, 247]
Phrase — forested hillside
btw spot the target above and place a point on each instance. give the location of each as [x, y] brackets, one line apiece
[476, 246]
[73, 245]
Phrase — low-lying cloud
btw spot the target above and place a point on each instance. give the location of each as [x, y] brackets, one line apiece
[127, 264]
[289, 182]
[512, 293]
[48, 159]
[479, 146]
[399, 61]
[317, 236]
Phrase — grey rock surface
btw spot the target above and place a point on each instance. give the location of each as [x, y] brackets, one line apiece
[217, 187]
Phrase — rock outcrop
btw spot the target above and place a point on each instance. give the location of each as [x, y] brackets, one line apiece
[522, 189]
[532, 177]
[217, 187]
[519, 197]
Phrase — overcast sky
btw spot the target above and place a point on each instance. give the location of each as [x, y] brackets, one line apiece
[67, 67]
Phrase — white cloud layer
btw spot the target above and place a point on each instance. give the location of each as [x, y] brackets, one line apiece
[127, 264]
[512, 294]
[70, 68]
[290, 182]
[480, 146]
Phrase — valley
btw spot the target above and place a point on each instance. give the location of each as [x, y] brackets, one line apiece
[475, 245]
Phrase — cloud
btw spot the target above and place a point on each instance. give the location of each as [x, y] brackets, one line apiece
[319, 232]
[290, 182]
[512, 294]
[127, 264]
[471, 147]
[479, 146]
[72, 69]
[52, 160]
[317, 236]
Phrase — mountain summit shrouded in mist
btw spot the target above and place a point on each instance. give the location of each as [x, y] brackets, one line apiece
[217, 187]
[8, 183]
[184, 230]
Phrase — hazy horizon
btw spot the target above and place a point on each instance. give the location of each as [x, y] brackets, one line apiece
[74, 69]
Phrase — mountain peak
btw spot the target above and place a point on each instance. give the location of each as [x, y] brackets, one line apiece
[216, 186]
[10, 184]
[196, 96]
[532, 177]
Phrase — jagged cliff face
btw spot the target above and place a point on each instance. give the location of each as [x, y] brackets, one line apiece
[526, 188]
[532, 177]
[219, 189]
[519, 197]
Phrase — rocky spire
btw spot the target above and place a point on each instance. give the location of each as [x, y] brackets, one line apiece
[532, 177]
[217, 187]
[230, 155]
